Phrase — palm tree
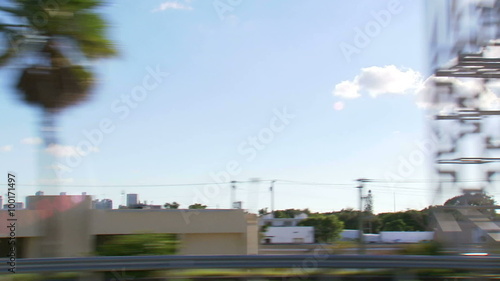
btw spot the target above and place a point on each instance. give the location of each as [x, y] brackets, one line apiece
[51, 41]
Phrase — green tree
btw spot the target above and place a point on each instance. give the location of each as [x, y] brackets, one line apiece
[263, 211]
[471, 199]
[372, 223]
[138, 245]
[413, 220]
[290, 213]
[327, 228]
[395, 225]
[196, 206]
[349, 217]
[474, 199]
[173, 205]
[61, 36]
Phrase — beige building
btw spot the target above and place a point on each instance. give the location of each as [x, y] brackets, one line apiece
[67, 226]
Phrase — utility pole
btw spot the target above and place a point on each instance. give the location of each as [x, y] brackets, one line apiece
[361, 248]
[271, 189]
[394, 200]
[233, 194]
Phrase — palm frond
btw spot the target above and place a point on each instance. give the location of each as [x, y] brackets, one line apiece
[87, 30]
[13, 11]
[8, 54]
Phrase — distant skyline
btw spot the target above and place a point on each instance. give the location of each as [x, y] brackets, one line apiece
[208, 92]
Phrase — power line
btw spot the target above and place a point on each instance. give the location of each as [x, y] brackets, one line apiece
[280, 181]
[136, 185]
[430, 181]
[313, 183]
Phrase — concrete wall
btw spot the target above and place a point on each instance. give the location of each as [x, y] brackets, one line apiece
[353, 234]
[130, 221]
[213, 243]
[405, 236]
[389, 236]
[252, 234]
[371, 238]
[349, 234]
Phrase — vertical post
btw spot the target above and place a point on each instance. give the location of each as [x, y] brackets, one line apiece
[394, 199]
[361, 248]
[272, 197]
[233, 195]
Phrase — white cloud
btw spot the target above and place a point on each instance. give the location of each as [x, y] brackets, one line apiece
[170, 5]
[32, 140]
[61, 150]
[347, 89]
[376, 80]
[6, 148]
[68, 150]
[388, 80]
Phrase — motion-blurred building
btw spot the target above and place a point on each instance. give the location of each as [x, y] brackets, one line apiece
[18, 206]
[286, 230]
[103, 204]
[67, 226]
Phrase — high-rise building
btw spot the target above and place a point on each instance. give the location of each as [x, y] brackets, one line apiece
[132, 199]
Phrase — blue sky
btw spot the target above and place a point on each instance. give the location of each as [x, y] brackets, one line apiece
[248, 88]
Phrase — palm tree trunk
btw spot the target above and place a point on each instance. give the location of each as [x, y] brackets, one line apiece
[49, 183]
[48, 175]
[49, 129]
